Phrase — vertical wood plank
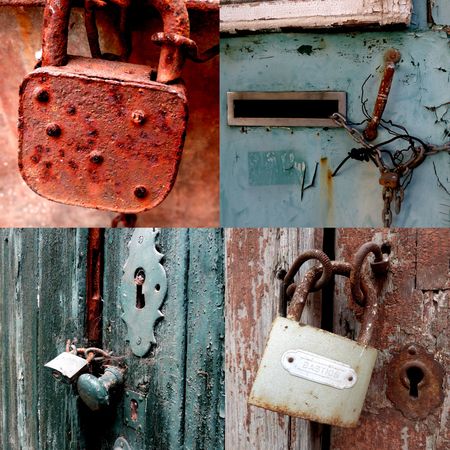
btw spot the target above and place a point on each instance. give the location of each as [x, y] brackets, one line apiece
[160, 374]
[42, 285]
[409, 313]
[205, 396]
[61, 304]
[253, 258]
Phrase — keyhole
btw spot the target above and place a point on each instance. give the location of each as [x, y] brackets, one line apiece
[415, 376]
[139, 279]
[134, 410]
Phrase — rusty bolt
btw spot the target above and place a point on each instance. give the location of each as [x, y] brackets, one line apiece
[96, 158]
[141, 192]
[138, 117]
[42, 95]
[53, 130]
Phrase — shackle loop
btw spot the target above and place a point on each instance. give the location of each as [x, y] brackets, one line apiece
[326, 274]
[175, 36]
[358, 279]
[379, 266]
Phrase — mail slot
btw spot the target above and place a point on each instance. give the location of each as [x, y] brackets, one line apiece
[293, 109]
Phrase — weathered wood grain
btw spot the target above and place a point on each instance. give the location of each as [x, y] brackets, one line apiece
[182, 375]
[415, 309]
[42, 304]
[253, 258]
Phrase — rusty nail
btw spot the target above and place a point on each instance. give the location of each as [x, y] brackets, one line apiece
[71, 110]
[138, 117]
[140, 192]
[42, 95]
[96, 158]
[53, 130]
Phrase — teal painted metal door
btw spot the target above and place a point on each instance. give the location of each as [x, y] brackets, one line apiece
[43, 303]
[258, 188]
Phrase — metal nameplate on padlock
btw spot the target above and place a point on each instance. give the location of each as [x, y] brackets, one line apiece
[311, 373]
[317, 368]
[67, 366]
[101, 134]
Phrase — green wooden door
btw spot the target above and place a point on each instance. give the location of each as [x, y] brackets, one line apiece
[43, 303]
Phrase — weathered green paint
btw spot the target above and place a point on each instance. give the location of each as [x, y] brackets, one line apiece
[337, 61]
[183, 410]
[42, 282]
[42, 303]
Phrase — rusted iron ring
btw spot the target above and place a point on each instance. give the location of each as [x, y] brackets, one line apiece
[355, 275]
[306, 256]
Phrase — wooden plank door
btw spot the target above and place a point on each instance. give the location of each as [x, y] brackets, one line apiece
[415, 309]
[253, 259]
[42, 303]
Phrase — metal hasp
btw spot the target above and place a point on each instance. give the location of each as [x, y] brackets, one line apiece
[142, 290]
[391, 58]
[415, 382]
[101, 134]
[95, 392]
[311, 373]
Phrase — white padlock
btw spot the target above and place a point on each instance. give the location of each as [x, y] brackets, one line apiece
[314, 374]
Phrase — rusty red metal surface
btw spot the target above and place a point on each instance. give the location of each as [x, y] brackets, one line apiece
[101, 134]
[101, 158]
[201, 5]
[391, 57]
[94, 277]
[414, 365]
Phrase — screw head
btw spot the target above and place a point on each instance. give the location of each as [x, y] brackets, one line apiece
[141, 192]
[53, 130]
[138, 117]
[42, 95]
[95, 158]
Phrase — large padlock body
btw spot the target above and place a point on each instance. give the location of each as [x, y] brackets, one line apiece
[313, 374]
[101, 134]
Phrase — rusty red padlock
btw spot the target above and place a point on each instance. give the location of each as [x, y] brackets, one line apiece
[101, 134]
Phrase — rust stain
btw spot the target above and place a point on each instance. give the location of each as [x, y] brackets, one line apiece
[326, 192]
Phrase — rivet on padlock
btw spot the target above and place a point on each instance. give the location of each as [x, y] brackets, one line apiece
[314, 374]
[98, 133]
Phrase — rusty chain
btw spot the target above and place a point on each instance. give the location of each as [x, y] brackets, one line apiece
[395, 178]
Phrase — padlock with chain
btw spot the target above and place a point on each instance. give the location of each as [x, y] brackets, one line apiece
[311, 373]
[104, 134]
[94, 389]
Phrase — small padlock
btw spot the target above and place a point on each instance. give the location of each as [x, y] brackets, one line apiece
[389, 180]
[67, 367]
[314, 374]
[101, 134]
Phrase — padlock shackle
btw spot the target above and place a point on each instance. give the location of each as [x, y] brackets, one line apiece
[55, 32]
[327, 273]
[345, 269]
[358, 261]
[176, 35]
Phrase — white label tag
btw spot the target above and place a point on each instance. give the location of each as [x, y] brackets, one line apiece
[319, 369]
